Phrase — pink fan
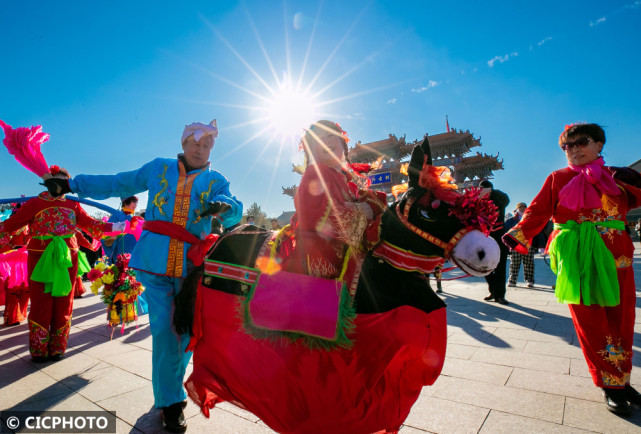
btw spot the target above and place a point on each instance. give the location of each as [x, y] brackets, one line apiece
[24, 144]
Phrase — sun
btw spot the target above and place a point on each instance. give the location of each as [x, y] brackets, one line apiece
[290, 111]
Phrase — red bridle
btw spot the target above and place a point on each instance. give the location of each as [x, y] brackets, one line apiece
[447, 247]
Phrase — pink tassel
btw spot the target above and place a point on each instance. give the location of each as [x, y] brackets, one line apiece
[24, 145]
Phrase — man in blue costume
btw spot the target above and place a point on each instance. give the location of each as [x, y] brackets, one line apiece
[124, 243]
[184, 196]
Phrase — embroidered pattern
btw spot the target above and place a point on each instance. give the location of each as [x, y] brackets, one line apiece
[38, 340]
[54, 221]
[159, 200]
[58, 339]
[181, 216]
[614, 380]
[321, 267]
[623, 261]
[614, 353]
[204, 198]
[517, 233]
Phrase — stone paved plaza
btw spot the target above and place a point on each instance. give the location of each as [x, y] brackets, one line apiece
[509, 369]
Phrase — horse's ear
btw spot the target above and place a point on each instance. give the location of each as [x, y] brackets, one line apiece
[417, 160]
[425, 146]
[415, 166]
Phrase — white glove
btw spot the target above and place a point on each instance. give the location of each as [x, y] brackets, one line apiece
[118, 226]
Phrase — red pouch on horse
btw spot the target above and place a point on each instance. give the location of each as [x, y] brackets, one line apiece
[297, 303]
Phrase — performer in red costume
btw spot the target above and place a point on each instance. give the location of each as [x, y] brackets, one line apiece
[13, 277]
[336, 221]
[591, 253]
[52, 265]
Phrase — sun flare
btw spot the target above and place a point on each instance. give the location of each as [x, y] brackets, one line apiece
[290, 112]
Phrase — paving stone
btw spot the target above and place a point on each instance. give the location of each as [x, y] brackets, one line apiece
[507, 399]
[62, 402]
[457, 351]
[533, 335]
[223, 422]
[579, 368]
[490, 341]
[523, 360]
[72, 363]
[554, 349]
[99, 384]
[504, 423]
[479, 371]
[136, 408]
[594, 416]
[409, 430]
[445, 416]
[558, 384]
[31, 387]
[231, 408]
[136, 362]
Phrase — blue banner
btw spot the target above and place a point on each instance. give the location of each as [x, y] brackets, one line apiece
[381, 178]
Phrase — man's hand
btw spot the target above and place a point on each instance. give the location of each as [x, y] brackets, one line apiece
[216, 208]
[57, 186]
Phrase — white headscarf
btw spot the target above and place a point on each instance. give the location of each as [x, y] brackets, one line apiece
[200, 130]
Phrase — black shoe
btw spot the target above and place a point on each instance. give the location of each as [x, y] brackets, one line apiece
[501, 300]
[632, 395]
[173, 418]
[439, 291]
[39, 359]
[56, 357]
[489, 298]
[616, 401]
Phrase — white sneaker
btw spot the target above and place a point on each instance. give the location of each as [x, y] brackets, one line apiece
[530, 284]
[511, 284]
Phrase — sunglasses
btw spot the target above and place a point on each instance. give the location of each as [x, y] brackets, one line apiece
[581, 143]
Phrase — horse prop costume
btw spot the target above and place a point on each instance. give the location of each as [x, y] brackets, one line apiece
[399, 333]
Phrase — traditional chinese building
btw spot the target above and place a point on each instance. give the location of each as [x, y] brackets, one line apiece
[448, 149]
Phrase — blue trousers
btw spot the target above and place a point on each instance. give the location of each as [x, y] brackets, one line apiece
[169, 359]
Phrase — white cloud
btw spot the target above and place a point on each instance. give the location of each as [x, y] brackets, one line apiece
[501, 59]
[391, 101]
[599, 21]
[429, 85]
[544, 40]
[633, 5]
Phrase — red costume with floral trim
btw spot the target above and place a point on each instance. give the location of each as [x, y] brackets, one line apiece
[332, 229]
[605, 333]
[14, 289]
[50, 317]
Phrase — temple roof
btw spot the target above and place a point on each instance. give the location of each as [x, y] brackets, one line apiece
[452, 143]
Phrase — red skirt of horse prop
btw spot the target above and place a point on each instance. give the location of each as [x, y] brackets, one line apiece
[292, 388]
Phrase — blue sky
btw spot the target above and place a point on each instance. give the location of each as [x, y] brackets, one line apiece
[115, 82]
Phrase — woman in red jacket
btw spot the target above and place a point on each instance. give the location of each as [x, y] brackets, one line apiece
[591, 253]
[52, 265]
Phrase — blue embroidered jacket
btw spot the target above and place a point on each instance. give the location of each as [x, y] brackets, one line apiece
[174, 196]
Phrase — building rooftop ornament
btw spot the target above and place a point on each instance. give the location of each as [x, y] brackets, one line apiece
[448, 149]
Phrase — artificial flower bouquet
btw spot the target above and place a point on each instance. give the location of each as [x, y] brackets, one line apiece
[120, 289]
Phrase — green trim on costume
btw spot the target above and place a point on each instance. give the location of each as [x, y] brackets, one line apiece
[52, 266]
[585, 268]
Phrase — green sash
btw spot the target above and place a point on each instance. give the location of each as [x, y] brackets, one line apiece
[585, 268]
[83, 263]
[52, 267]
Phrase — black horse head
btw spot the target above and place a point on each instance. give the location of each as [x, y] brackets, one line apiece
[424, 220]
